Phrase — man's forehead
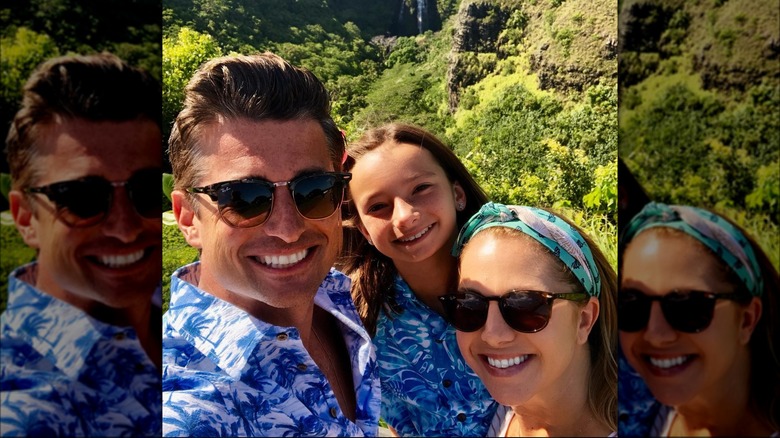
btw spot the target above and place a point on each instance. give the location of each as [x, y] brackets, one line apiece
[271, 149]
[73, 147]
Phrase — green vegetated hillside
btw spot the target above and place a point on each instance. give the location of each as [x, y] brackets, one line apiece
[524, 91]
[700, 106]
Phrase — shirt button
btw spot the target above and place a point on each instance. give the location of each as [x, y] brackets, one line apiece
[461, 417]
[447, 383]
[333, 412]
[302, 366]
[281, 337]
[119, 336]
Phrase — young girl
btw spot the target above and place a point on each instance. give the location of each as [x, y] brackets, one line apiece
[545, 351]
[708, 350]
[410, 194]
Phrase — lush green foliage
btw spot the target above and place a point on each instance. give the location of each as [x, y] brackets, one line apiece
[176, 253]
[14, 254]
[23, 50]
[183, 53]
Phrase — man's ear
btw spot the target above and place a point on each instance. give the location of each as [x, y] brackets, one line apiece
[186, 218]
[589, 314]
[24, 217]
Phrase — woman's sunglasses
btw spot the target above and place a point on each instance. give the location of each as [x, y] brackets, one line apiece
[525, 311]
[248, 202]
[685, 311]
[86, 201]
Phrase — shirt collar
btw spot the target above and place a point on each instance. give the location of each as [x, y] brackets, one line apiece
[61, 332]
[199, 317]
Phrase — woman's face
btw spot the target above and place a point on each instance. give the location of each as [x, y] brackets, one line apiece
[406, 203]
[679, 366]
[549, 359]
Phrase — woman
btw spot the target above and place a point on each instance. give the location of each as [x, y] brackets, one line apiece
[410, 194]
[545, 349]
[706, 349]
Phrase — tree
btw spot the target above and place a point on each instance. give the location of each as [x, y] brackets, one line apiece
[182, 55]
[22, 52]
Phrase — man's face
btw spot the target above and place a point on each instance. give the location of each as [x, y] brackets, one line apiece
[117, 261]
[280, 263]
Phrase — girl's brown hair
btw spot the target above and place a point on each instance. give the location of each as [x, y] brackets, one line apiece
[372, 272]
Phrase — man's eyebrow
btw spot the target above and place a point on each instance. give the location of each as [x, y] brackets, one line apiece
[303, 172]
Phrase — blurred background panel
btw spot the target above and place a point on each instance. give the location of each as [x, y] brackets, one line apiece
[32, 31]
[699, 107]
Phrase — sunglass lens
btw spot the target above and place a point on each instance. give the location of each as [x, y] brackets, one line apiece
[468, 312]
[689, 312]
[145, 189]
[317, 196]
[526, 312]
[245, 204]
[82, 202]
[633, 311]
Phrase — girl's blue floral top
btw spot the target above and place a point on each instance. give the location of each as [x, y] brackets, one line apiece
[226, 373]
[427, 388]
[64, 373]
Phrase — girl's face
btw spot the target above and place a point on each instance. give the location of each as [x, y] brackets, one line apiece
[679, 366]
[407, 206]
[517, 367]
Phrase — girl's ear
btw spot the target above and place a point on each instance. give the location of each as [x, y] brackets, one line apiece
[460, 196]
[364, 232]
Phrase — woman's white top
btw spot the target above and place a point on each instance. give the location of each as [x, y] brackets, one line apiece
[662, 425]
[500, 423]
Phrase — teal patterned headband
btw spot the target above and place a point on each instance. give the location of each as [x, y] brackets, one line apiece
[563, 240]
[716, 233]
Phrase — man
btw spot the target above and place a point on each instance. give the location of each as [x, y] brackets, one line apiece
[81, 348]
[261, 337]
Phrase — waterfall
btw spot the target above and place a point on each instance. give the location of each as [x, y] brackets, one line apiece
[422, 14]
[401, 12]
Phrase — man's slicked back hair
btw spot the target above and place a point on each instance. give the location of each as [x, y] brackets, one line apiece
[98, 88]
[252, 87]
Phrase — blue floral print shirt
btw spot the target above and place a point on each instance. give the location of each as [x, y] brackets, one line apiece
[427, 388]
[64, 373]
[226, 373]
[637, 408]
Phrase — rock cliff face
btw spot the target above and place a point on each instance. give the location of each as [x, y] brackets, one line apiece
[415, 17]
[731, 46]
[478, 25]
[570, 47]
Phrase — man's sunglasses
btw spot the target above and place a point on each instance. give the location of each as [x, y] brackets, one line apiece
[685, 311]
[248, 202]
[86, 201]
[525, 311]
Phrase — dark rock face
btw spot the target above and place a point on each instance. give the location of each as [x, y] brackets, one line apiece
[479, 24]
[563, 76]
[653, 31]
